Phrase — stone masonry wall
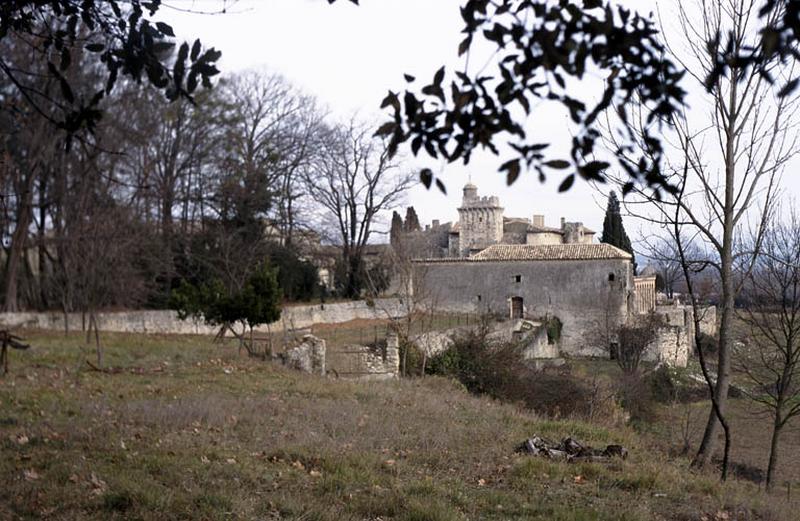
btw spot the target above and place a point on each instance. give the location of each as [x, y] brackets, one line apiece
[167, 322]
[672, 346]
[580, 293]
[366, 362]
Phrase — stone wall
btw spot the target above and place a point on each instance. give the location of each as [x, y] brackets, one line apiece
[580, 293]
[672, 346]
[366, 362]
[674, 343]
[167, 322]
[308, 356]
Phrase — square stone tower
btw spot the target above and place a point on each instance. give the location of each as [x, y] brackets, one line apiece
[480, 221]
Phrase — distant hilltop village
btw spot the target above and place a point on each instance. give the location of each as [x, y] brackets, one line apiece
[481, 224]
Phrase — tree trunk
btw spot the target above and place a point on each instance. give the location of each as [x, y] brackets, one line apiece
[18, 245]
[706, 450]
[773, 450]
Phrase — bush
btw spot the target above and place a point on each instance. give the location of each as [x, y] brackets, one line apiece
[636, 397]
[554, 327]
[671, 384]
[633, 341]
[411, 358]
[498, 369]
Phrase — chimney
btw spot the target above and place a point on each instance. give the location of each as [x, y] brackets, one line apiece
[563, 222]
[538, 221]
[436, 223]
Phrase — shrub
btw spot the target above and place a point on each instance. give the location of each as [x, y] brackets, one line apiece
[634, 339]
[256, 302]
[636, 397]
[554, 327]
[497, 368]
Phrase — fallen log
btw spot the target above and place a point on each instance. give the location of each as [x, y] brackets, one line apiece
[570, 450]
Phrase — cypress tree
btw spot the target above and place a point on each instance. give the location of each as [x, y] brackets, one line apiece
[412, 221]
[613, 230]
[396, 229]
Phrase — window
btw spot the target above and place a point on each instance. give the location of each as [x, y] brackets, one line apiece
[611, 277]
[479, 298]
[480, 219]
[517, 278]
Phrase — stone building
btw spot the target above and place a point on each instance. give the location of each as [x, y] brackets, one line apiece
[588, 287]
[520, 269]
[482, 223]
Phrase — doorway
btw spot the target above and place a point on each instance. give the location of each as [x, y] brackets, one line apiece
[516, 307]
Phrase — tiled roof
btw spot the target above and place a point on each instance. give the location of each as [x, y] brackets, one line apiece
[551, 252]
[545, 252]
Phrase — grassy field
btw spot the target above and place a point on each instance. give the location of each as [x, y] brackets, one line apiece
[190, 430]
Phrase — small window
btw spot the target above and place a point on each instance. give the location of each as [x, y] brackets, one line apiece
[480, 219]
[479, 298]
[517, 278]
[611, 277]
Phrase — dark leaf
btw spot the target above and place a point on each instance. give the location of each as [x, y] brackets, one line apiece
[196, 47]
[567, 183]
[426, 176]
[558, 164]
[165, 29]
[386, 129]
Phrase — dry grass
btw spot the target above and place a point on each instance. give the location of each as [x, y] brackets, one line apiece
[198, 432]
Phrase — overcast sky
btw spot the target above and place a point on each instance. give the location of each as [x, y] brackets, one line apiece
[349, 57]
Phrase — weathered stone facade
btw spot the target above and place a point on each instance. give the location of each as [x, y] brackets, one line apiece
[588, 287]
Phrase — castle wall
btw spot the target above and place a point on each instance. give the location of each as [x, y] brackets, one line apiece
[540, 238]
[167, 322]
[579, 293]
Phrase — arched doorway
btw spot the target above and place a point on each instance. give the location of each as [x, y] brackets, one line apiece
[517, 307]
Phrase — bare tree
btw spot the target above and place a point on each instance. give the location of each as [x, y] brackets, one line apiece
[723, 167]
[662, 253]
[353, 182]
[418, 301]
[770, 354]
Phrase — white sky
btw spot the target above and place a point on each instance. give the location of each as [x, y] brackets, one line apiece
[350, 56]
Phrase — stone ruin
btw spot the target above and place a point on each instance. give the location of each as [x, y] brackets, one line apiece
[308, 356]
[352, 361]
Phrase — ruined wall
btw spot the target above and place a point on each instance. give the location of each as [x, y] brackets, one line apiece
[293, 317]
[366, 362]
[579, 293]
[674, 343]
[308, 356]
[672, 346]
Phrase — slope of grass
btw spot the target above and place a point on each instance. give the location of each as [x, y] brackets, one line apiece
[190, 430]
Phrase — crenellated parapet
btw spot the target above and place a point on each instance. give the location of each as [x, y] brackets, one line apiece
[491, 202]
